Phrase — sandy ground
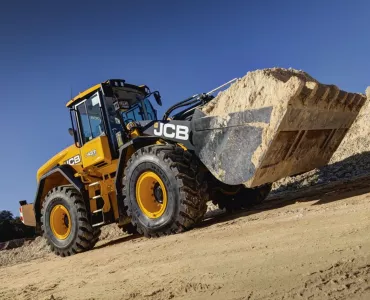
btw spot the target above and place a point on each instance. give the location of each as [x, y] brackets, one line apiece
[288, 248]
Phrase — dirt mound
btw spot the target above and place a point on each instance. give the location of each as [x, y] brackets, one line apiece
[351, 168]
[38, 248]
[29, 251]
[110, 232]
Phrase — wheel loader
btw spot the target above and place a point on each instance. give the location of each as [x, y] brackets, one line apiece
[154, 176]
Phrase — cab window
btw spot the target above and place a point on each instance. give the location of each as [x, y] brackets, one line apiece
[90, 118]
[152, 115]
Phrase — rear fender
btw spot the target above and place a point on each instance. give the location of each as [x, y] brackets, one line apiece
[60, 175]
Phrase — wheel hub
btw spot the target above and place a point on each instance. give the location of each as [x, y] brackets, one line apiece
[60, 222]
[158, 193]
[151, 194]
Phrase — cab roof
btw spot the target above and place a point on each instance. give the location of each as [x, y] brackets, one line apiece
[113, 82]
[83, 94]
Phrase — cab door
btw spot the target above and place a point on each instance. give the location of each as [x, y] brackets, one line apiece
[95, 150]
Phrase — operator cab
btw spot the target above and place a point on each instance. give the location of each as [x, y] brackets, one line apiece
[105, 108]
[134, 104]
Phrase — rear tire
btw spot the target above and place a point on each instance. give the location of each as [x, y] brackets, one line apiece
[65, 223]
[96, 234]
[169, 172]
[243, 199]
[129, 228]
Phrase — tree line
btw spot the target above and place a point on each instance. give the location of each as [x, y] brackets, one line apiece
[12, 228]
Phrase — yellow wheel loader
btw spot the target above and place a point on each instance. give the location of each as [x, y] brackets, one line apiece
[155, 175]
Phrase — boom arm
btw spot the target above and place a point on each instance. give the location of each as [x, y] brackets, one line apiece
[197, 99]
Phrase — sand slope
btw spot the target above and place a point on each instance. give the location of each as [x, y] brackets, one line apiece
[308, 249]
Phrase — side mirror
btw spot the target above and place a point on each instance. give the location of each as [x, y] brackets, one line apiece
[71, 132]
[157, 97]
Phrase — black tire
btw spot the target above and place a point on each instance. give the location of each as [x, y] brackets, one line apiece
[245, 198]
[186, 191]
[96, 234]
[129, 228]
[260, 193]
[82, 237]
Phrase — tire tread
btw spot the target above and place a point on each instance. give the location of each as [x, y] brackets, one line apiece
[192, 191]
[86, 237]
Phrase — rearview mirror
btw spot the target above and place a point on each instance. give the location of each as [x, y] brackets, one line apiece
[71, 132]
[157, 97]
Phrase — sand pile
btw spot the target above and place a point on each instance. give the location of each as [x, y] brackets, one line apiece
[357, 139]
[257, 89]
[282, 105]
[283, 88]
[110, 231]
[276, 89]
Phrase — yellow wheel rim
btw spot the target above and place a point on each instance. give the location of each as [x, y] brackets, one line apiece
[60, 222]
[151, 195]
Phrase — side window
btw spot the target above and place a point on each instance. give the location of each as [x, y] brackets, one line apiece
[95, 117]
[91, 122]
[75, 127]
[150, 110]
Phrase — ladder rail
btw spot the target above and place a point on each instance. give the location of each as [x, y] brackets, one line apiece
[100, 210]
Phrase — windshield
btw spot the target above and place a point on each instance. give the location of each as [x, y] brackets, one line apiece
[140, 111]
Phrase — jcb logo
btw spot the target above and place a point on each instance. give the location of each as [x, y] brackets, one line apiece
[169, 130]
[73, 160]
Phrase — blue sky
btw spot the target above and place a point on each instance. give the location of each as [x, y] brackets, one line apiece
[179, 48]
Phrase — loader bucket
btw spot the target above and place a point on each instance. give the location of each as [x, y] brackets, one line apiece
[298, 133]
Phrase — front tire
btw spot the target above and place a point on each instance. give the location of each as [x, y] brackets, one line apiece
[163, 190]
[65, 223]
